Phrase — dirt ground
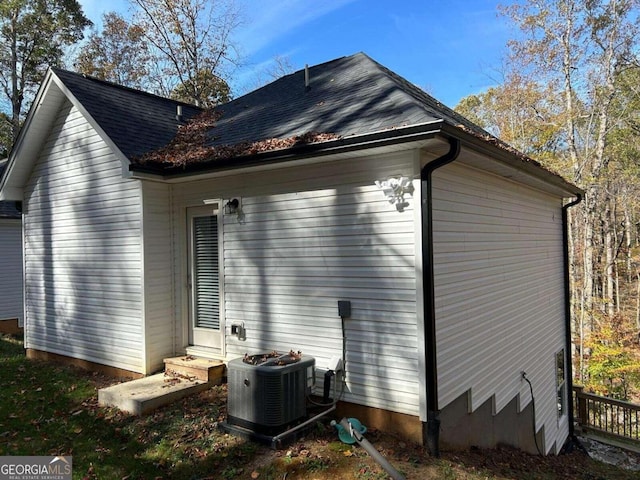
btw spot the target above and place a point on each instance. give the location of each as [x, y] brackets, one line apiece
[320, 455]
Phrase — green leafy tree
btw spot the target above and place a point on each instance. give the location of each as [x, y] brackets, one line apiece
[584, 48]
[521, 112]
[33, 36]
[6, 137]
[119, 53]
[209, 88]
[614, 366]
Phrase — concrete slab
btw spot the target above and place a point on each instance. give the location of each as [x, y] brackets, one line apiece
[146, 394]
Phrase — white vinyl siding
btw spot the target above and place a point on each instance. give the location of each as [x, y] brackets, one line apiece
[10, 269]
[158, 285]
[307, 237]
[82, 232]
[499, 292]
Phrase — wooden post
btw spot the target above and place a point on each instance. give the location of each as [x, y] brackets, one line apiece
[581, 403]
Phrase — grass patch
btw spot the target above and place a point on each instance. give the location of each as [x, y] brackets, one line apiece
[48, 409]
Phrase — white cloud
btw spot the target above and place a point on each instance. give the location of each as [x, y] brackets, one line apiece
[268, 21]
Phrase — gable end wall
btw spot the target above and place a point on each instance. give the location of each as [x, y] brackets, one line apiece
[82, 245]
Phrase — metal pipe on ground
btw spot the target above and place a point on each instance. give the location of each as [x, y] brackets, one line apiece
[275, 441]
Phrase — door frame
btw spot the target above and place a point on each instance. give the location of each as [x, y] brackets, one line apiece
[218, 343]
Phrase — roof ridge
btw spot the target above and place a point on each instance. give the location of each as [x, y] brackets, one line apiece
[425, 99]
[117, 86]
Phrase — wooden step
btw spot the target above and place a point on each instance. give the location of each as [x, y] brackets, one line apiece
[196, 368]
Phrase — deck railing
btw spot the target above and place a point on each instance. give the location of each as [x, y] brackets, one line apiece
[606, 415]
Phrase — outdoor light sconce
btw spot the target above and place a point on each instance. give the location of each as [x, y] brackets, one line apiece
[395, 188]
[232, 206]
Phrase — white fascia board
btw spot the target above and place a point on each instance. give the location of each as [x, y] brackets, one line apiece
[25, 147]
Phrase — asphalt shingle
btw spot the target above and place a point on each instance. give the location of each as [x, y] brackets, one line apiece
[136, 121]
[346, 97]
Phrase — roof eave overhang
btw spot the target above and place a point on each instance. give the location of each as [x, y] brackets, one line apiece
[518, 163]
[410, 137]
[11, 183]
[342, 146]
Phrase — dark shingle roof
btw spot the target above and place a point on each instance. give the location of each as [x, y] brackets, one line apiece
[7, 209]
[347, 96]
[137, 122]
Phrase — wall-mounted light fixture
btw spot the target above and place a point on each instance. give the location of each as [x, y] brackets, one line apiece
[395, 188]
[232, 206]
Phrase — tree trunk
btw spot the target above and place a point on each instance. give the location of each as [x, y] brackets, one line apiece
[609, 251]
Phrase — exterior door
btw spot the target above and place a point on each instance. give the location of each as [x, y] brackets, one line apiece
[205, 276]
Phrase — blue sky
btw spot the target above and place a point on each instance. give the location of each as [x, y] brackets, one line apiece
[451, 48]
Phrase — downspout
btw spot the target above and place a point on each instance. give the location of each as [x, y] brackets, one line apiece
[431, 429]
[567, 312]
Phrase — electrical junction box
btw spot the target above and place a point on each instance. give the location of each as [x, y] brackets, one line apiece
[344, 308]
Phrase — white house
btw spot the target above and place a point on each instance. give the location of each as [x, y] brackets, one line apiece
[341, 182]
[10, 265]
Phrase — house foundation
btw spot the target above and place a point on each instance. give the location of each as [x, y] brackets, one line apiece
[33, 354]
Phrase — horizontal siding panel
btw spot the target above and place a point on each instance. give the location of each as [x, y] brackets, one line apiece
[11, 296]
[74, 220]
[322, 312]
[67, 192]
[499, 291]
[332, 292]
[343, 225]
[404, 253]
[323, 242]
[69, 240]
[371, 306]
[311, 261]
[84, 295]
[101, 353]
[100, 322]
[307, 237]
[85, 211]
[82, 250]
[326, 277]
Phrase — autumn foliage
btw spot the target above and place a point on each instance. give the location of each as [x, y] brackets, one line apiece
[190, 145]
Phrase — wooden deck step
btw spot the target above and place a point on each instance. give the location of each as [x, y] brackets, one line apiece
[197, 368]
